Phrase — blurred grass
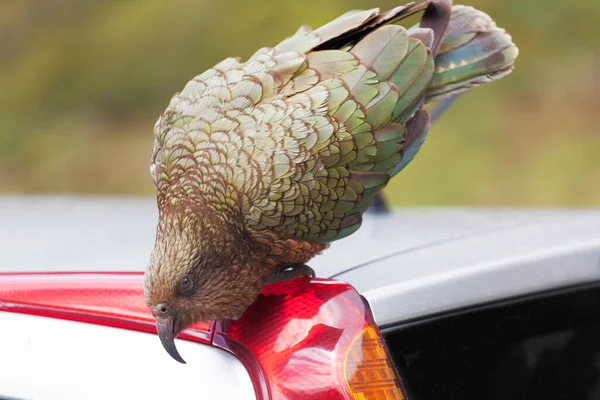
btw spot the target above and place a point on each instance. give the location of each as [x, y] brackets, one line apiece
[83, 81]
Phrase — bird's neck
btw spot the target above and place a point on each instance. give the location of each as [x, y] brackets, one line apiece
[204, 225]
[190, 194]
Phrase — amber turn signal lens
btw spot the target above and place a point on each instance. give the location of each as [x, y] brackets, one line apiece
[368, 369]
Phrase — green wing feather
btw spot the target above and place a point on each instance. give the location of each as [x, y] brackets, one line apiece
[376, 85]
[302, 136]
[397, 74]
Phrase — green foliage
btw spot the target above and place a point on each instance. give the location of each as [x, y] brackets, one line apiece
[82, 83]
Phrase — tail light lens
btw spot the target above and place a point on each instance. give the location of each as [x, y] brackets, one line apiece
[316, 341]
[301, 339]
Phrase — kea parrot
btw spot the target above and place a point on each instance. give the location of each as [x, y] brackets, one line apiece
[259, 165]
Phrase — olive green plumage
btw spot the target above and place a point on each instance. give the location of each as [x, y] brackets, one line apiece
[307, 137]
[261, 164]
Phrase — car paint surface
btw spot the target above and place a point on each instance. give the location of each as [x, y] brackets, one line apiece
[48, 358]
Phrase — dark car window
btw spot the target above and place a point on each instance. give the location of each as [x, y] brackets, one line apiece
[542, 347]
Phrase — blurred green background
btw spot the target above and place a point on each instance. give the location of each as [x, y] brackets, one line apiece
[83, 81]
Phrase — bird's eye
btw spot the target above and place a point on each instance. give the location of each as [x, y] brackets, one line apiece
[185, 283]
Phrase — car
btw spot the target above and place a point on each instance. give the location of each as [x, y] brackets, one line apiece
[420, 303]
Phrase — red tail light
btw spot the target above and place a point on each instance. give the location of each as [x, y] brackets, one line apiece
[315, 341]
[299, 340]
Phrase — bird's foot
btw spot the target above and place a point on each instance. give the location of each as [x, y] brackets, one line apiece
[226, 321]
[286, 272]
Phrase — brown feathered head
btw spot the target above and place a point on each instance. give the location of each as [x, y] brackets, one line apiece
[202, 268]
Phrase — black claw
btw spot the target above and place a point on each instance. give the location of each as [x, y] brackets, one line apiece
[286, 272]
[224, 324]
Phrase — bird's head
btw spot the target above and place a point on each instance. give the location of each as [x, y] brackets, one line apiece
[199, 271]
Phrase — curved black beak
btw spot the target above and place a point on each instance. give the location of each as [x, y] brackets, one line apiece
[167, 332]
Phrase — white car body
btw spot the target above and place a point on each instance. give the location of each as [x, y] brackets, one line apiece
[48, 358]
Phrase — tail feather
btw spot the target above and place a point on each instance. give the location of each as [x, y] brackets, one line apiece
[474, 51]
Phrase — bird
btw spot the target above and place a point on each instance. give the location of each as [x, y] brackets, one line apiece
[259, 165]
